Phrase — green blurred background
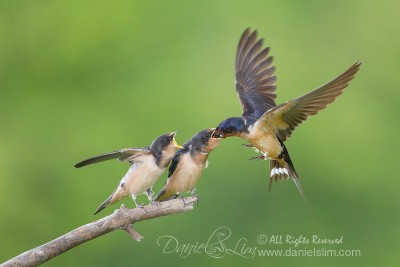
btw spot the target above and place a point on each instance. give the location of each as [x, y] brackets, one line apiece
[78, 78]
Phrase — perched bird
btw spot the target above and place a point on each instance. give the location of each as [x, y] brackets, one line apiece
[147, 165]
[187, 165]
[264, 124]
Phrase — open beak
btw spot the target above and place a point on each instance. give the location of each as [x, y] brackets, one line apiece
[173, 138]
[217, 134]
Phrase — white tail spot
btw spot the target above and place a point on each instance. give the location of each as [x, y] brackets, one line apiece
[276, 171]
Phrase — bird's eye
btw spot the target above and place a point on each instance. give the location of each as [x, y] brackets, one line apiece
[207, 135]
[167, 139]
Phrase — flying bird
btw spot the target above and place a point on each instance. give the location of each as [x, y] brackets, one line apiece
[187, 165]
[147, 165]
[265, 125]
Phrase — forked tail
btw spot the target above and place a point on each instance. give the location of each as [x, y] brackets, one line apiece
[283, 168]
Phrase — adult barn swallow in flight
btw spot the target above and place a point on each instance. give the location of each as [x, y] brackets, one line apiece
[264, 124]
[187, 165]
[147, 165]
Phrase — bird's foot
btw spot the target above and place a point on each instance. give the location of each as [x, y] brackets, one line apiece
[141, 206]
[149, 193]
[258, 157]
[194, 194]
[157, 203]
[247, 145]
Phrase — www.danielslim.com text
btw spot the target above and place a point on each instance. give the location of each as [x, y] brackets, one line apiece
[313, 252]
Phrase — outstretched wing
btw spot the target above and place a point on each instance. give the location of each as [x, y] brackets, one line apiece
[287, 116]
[255, 76]
[128, 154]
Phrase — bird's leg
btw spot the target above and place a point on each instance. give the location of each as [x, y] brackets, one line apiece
[248, 145]
[258, 157]
[251, 146]
[136, 204]
[149, 193]
[194, 194]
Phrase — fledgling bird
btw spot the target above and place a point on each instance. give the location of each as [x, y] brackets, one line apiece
[264, 124]
[187, 165]
[147, 165]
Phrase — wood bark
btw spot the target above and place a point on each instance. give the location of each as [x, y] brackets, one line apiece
[122, 218]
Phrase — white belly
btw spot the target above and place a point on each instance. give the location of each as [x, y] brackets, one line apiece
[141, 176]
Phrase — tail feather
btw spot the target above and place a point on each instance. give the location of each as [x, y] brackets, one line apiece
[106, 202]
[163, 195]
[283, 168]
[103, 205]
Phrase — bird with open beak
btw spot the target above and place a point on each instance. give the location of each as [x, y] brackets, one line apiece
[187, 165]
[147, 165]
[264, 124]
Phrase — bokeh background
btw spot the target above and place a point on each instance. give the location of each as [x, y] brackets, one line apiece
[79, 78]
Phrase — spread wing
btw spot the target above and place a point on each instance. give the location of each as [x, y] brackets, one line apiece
[128, 154]
[255, 76]
[287, 116]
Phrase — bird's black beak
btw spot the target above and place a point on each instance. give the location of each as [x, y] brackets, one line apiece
[217, 134]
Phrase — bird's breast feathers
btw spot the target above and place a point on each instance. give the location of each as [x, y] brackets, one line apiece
[263, 137]
[142, 175]
[187, 174]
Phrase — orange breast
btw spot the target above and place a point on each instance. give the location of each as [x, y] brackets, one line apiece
[264, 140]
[187, 174]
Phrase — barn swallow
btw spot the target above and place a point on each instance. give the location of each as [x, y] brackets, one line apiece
[264, 124]
[147, 165]
[187, 165]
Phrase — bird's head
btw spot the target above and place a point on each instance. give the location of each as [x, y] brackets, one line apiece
[165, 145]
[230, 127]
[204, 141]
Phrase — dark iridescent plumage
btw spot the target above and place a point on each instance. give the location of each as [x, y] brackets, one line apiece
[265, 125]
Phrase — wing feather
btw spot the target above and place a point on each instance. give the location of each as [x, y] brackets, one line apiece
[287, 116]
[127, 154]
[255, 76]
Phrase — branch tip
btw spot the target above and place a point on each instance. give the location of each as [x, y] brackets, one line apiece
[190, 201]
[135, 235]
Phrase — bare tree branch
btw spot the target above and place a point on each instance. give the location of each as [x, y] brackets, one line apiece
[122, 218]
